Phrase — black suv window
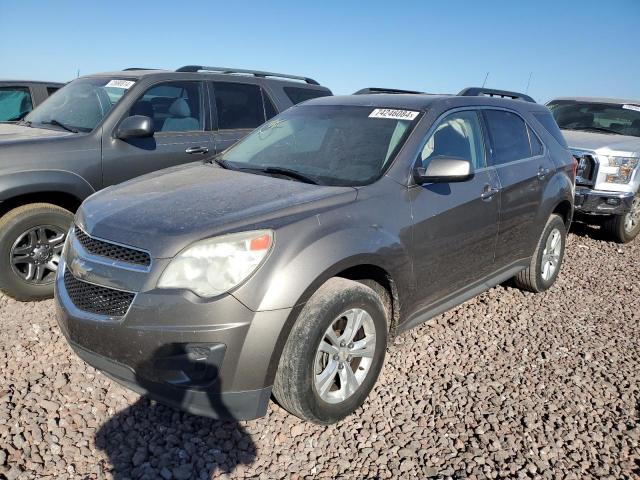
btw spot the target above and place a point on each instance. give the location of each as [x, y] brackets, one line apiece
[457, 135]
[508, 135]
[52, 90]
[239, 105]
[549, 123]
[15, 103]
[536, 144]
[173, 106]
[297, 94]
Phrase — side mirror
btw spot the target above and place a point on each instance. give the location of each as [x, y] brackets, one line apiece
[444, 170]
[135, 126]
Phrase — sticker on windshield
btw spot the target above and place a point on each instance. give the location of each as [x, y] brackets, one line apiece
[120, 84]
[393, 114]
[632, 107]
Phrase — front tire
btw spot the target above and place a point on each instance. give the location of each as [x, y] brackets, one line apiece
[334, 353]
[624, 228]
[31, 241]
[546, 262]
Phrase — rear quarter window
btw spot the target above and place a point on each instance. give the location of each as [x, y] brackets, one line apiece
[550, 125]
[298, 95]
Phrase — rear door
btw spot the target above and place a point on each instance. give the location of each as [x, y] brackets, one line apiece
[523, 168]
[181, 132]
[455, 224]
[237, 109]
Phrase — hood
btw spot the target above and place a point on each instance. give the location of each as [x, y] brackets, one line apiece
[11, 132]
[603, 143]
[165, 211]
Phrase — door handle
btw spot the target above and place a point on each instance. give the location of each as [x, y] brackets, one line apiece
[489, 192]
[197, 150]
[542, 173]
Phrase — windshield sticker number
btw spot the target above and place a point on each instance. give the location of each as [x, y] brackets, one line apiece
[393, 114]
[126, 84]
[632, 107]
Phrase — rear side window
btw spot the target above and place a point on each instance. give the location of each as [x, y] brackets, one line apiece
[549, 123]
[238, 105]
[15, 103]
[536, 144]
[52, 90]
[269, 110]
[297, 94]
[509, 136]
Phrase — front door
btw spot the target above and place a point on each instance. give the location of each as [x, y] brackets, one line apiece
[455, 224]
[180, 134]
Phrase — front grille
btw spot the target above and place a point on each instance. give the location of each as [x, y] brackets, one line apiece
[111, 250]
[95, 299]
[587, 168]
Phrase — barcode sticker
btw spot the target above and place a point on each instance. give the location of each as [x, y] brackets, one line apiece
[632, 107]
[393, 114]
[120, 84]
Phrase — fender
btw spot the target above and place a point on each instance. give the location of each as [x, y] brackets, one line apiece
[558, 189]
[40, 181]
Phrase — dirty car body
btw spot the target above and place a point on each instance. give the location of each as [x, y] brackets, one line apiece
[430, 245]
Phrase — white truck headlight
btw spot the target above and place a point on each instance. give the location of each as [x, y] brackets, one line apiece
[216, 265]
[624, 169]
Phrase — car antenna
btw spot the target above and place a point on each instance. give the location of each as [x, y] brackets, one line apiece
[485, 79]
[528, 82]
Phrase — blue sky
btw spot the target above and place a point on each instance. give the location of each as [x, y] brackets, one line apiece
[588, 48]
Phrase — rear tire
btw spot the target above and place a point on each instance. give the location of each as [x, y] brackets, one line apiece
[318, 354]
[35, 232]
[624, 228]
[546, 262]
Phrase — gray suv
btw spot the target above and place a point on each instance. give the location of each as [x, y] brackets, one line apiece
[284, 264]
[19, 97]
[102, 129]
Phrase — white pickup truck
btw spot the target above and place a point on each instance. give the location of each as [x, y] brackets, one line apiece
[604, 136]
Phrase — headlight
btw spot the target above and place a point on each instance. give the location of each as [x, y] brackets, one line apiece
[216, 265]
[624, 169]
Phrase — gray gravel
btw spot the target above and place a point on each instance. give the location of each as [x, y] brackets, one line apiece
[510, 384]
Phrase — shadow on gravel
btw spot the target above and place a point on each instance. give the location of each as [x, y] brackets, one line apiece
[149, 440]
[595, 232]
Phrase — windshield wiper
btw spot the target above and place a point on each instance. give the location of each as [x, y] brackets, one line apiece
[291, 174]
[597, 129]
[58, 123]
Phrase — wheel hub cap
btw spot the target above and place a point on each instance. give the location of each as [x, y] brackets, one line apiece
[344, 356]
[632, 219]
[36, 253]
[551, 254]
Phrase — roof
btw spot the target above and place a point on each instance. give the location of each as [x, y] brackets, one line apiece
[422, 101]
[598, 100]
[32, 82]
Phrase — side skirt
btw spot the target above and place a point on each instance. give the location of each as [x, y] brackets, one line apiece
[463, 295]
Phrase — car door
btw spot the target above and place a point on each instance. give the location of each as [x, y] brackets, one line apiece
[523, 172]
[237, 109]
[455, 224]
[181, 132]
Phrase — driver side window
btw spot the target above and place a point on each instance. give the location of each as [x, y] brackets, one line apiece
[458, 135]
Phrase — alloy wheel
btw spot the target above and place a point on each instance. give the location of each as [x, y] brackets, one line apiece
[551, 254]
[36, 253]
[345, 355]
[632, 218]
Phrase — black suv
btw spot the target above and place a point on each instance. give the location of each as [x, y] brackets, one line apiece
[103, 129]
[19, 97]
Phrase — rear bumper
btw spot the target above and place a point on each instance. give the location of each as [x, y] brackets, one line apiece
[603, 203]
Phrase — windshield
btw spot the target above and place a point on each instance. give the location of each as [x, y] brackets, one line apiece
[621, 119]
[333, 145]
[80, 105]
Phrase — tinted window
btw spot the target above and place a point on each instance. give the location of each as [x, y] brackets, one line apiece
[173, 106]
[52, 90]
[269, 109]
[549, 123]
[238, 105]
[297, 94]
[15, 103]
[458, 135]
[508, 135]
[536, 144]
[623, 119]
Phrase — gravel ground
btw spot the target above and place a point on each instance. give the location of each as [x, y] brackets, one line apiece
[510, 384]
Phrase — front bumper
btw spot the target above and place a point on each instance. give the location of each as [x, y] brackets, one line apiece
[604, 203]
[214, 358]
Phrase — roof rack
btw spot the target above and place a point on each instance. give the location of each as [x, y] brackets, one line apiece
[255, 73]
[492, 92]
[368, 90]
[138, 68]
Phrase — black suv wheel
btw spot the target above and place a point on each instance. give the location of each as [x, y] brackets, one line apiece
[31, 240]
